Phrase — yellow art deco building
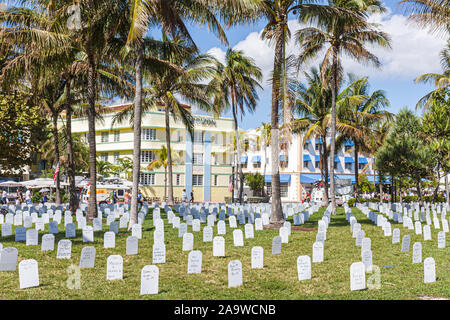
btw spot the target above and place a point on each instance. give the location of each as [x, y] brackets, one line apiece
[203, 164]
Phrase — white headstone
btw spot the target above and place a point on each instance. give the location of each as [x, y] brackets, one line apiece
[6, 229]
[188, 241]
[207, 234]
[32, 237]
[159, 253]
[276, 245]
[218, 246]
[429, 269]
[87, 259]
[441, 240]
[136, 231]
[357, 276]
[149, 279]
[64, 250]
[396, 236]
[132, 245]
[257, 257]
[8, 259]
[317, 252]
[28, 274]
[194, 262]
[109, 239]
[249, 233]
[114, 267]
[406, 242]
[417, 252]
[426, 233]
[238, 240]
[48, 242]
[304, 267]
[367, 260]
[234, 273]
[88, 234]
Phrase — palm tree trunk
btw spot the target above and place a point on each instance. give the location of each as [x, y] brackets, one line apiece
[333, 132]
[165, 184]
[169, 158]
[73, 196]
[446, 187]
[57, 156]
[136, 137]
[92, 207]
[238, 151]
[392, 189]
[276, 217]
[356, 173]
[325, 169]
[265, 166]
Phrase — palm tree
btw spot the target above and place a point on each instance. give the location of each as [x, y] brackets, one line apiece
[237, 81]
[347, 31]
[104, 168]
[124, 165]
[277, 31]
[429, 13]
[168, 85]
[264, 129]
[171, 16]
[358, 120]
[162, 161]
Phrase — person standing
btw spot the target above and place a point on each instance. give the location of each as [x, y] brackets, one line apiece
[4, 197]
[28, 197]
[192, 196]
[183, 195]
[245, 198]
[115, 197]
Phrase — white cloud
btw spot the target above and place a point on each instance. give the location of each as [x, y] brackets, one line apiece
[414, 51]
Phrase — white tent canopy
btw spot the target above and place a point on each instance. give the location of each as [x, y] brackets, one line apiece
[41, 183]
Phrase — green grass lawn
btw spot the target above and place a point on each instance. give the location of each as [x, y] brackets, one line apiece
[277, 281]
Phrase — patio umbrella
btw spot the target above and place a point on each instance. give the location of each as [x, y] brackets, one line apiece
[44, 190]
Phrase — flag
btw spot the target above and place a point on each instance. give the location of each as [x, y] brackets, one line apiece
[56, 172]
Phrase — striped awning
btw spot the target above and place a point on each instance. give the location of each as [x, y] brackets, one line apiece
[306, 157]
[362, 160]
[349, 160]
[283, 157]
[244, 159]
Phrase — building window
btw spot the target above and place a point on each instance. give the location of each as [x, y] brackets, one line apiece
[197, 179]
[244, 165]
[198, 136]
[256, 165]
[116, 156]
[116, 136]
[215, 179]
[147, 179]
[316, 147]
[284, 190]
[305, 146]
[178, 179]
[147, 156]
[197, 159]
[317, 164]
[105, 136]
[104, 157]
[348, 166]
[347, 148]
[148, 134]
[361, 166]
[305, 164]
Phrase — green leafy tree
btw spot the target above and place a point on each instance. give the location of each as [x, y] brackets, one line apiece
[255, 182]
[22, 128]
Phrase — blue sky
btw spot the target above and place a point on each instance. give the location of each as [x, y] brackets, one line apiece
[415, 51]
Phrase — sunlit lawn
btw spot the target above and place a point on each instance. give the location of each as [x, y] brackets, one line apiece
[278, 279]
